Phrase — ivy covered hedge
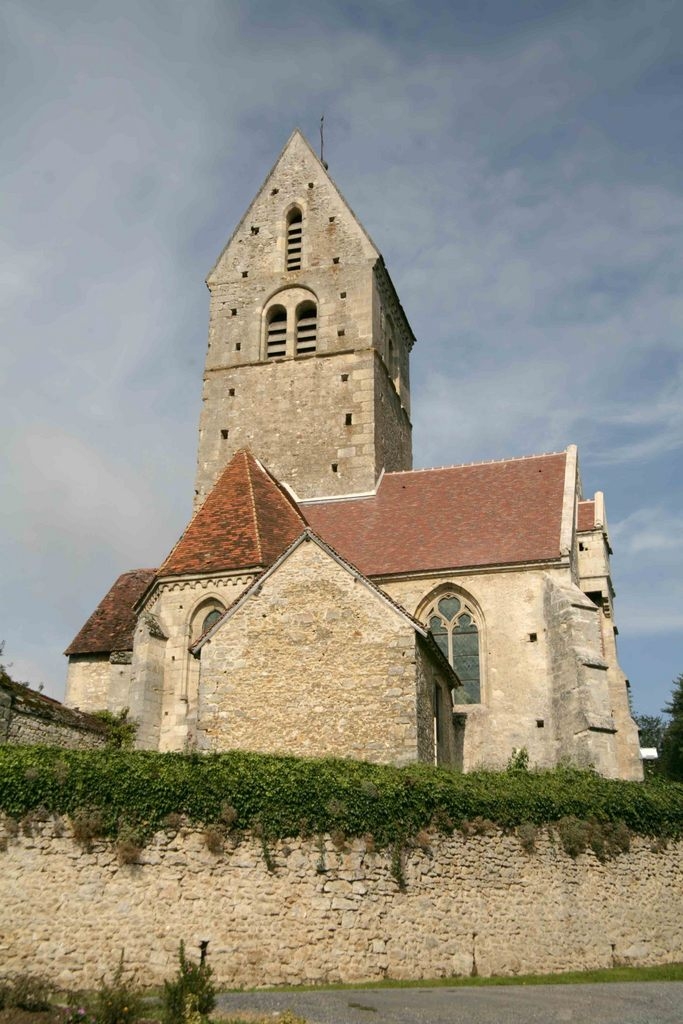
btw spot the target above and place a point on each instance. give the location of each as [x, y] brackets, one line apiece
[288, 796]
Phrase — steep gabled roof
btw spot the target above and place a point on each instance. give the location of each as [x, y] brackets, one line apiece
[493, 513]
[247, 521]
[112, 625]
[308, 535]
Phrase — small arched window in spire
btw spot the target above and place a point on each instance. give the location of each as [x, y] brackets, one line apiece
[306, 328]
[294, 238]
[276, 335]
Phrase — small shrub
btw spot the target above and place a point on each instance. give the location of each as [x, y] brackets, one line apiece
[76, 1015]
[261, 832]
[618, 837]
[442, 821]
[321, 866]
[574, 835]
[518, 761]
[28, 823]
[129, 846]
[335, 808]
[338, 838]
[120, 728]
[527, 833]
[421, 840]
[61, 772]
[228, 814]
[189, 994]
[370, 844]
[605, 838]
[31, 774]
[173, 821]
[87, 824]
[304, 829]
[659, 844]
[369, 789]
[119, 1002]
[33, 818]
[11, 827]
[397, 854]
[213, 840]
[477, 827]
[29, 992]
[4, 844]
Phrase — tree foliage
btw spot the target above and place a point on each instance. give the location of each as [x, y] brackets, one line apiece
[672, 744]
[120, 728]
[651, 729]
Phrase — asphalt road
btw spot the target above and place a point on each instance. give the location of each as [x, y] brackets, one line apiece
[650, 1002]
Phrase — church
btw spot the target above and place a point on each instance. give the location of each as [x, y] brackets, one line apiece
[326, 599]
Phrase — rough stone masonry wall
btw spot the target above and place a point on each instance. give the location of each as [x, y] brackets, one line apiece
[323, 915]
[314, 664]
[27, 717]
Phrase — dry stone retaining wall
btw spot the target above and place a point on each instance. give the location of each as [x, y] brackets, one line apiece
[28, 717]
[478, 904]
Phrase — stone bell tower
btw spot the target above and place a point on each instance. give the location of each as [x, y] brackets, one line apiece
[308, 355]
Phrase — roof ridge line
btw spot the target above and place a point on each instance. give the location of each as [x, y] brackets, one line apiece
[257, 530]
[281, 487]
[308, 533]
[480, 462]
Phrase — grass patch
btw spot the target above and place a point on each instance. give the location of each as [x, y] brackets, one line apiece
[659, 972]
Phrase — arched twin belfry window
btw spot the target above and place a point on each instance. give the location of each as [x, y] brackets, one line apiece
[276, 340]
[453, 624]
[306, 328]
[291, 324]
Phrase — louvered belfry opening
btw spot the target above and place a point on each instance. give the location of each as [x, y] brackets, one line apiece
[294, 239]
[276, 338]
[306, 328]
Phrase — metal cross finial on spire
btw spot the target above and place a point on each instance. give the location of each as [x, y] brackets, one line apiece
[322, 142]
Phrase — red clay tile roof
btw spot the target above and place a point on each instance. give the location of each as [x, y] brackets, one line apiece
[495, 513]
[247, 520]
[112, 625]
[586, 517]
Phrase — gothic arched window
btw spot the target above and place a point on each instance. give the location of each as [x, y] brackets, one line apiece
[209, 620]
[204, 617]
[294, 238]
[453, 623]
[306, 328]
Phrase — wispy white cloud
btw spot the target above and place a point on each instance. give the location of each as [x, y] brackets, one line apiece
[653, 530]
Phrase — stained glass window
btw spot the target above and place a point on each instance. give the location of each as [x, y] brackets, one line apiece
[453, 625]
[213, 616]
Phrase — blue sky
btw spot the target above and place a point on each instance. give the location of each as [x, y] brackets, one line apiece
[518, 164]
